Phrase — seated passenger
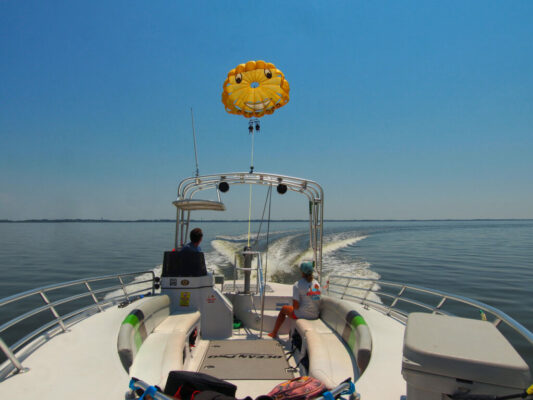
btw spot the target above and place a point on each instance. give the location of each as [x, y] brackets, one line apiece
[305, 299]
[189, 261]
[194, 245]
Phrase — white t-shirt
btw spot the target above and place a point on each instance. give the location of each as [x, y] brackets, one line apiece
[307, 294]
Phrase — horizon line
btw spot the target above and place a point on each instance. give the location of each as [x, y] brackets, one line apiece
[103, 220]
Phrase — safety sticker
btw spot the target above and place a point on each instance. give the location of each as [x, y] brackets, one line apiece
[185, 298]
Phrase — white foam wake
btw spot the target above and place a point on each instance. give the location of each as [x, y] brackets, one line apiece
[225, 250]
[253, 236]
[286, 252]
[281, 254]
[280, 251]
[332, 243]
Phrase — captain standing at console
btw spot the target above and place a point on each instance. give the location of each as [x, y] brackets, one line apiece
[305, 299]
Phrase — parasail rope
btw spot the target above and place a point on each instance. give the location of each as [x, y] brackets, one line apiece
[249, 215]
[250, 201]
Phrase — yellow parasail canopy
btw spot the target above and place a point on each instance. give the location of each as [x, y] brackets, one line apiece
[255, 89]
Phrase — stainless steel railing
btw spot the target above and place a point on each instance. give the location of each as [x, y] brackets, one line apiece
[259, 282]
[62, 321]
[400, 295]
[314, 193]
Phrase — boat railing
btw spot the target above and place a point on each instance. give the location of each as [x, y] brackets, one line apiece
[189, 187]
[398, 300]
[125, 287]
[260, 284]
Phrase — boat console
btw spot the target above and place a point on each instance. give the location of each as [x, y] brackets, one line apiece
[191, 288]
[183, 263]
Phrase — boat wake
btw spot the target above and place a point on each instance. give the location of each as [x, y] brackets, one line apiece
[288, 249]
[244, 237]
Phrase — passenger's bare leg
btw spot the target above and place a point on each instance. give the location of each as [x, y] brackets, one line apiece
[285, 310]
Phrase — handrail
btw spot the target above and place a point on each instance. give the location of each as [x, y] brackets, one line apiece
[52, 323]
[374, 286]
[60, 320]
[260, 282]
[61, 285]
[262, 293]
[259, 285]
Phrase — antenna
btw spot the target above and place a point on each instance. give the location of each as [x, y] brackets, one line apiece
[194, 140]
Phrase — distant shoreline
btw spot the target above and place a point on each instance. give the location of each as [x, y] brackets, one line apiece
[9, 221]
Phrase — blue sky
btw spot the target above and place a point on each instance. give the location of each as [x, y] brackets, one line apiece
[399, 109]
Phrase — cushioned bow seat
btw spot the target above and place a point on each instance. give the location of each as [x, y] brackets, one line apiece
[165, 349]
[329, 360]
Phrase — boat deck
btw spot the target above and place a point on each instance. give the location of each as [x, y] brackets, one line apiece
[83, 362]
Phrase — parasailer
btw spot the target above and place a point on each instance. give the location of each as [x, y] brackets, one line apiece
[255, 89]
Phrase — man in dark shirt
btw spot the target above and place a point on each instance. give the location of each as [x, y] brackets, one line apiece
[194, 245]
[190, 258]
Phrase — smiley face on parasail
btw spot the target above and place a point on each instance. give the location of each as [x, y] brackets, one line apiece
[255, 89]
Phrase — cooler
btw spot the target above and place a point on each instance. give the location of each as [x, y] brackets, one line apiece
[445, 355]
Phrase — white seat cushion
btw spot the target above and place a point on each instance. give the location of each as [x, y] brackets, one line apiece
[315, 325]
[329, 359]
[162, 351]
[159, 354]
[178, 323]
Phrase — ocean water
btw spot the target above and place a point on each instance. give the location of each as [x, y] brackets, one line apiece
[490, 261]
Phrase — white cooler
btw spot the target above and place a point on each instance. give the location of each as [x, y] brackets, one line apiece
[445, 355]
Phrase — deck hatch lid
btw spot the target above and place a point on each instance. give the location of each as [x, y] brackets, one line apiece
[462, 348]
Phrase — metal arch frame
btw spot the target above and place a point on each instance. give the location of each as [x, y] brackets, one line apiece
[188, 188]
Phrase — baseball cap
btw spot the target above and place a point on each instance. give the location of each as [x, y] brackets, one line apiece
[307, 267]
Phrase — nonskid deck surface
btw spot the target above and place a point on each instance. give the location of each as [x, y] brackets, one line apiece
[258, 386]
[246, 359]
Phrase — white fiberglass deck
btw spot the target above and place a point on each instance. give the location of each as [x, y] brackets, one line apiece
[83, 363]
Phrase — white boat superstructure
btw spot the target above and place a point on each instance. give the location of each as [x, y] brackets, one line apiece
[392, 340]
